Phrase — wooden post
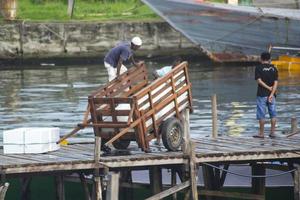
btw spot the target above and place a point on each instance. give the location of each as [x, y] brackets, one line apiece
[186, 132]
[155, 179]
[60, 189]
[126, 178]
[193, 171]
[214, 116]
[25, 188]
[112, 192]
[297, 182]
[85, 186]
[98, 189]
[8, 8]
[297, 4]
[258, 184]
[294, 125]
[208, 178]
[71, 4]
[173, 182]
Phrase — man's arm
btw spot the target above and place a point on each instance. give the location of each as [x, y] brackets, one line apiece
[137, 64]
[260, 82]
[120, 62]
[274, 88]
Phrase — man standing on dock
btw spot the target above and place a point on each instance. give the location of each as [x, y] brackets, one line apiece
[266, 76]
[121, 53]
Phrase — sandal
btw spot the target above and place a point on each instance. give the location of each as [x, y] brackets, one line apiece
[258, 136]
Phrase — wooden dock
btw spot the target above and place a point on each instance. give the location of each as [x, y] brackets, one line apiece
[220, 151]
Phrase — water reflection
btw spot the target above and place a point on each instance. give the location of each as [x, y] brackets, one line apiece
[58, 97]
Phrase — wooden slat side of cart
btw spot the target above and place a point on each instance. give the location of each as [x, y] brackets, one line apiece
[134, 110]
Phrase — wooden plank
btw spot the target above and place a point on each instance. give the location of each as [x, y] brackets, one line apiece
[193, 171]
[173, 182]
[155, 178]
[297, 182]
[98, 188]
[85, 186]
[112, 192]
[134, 75]
[47, 168]
[258, 184]
[60, 189]
[170, 191]
[25, 188]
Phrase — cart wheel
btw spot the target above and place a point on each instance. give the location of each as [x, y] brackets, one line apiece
[105, 148]
[121, 144]
[172, 134]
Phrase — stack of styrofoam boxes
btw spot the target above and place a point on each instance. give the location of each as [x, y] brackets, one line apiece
[30, 140]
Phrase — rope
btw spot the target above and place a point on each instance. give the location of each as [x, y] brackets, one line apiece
[250, 176]
[242, 27]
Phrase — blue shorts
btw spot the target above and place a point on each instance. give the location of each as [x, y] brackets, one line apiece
[261, 105]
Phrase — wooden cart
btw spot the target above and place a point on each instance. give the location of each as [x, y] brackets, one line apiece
[132, 109]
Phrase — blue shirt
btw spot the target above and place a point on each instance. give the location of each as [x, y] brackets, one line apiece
[122, 50]
[163, 71]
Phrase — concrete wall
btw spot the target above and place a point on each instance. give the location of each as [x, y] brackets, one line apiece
[82, 39]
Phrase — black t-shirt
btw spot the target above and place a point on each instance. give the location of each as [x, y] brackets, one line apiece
[268, 74]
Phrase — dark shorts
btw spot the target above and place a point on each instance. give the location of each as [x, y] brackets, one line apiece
[262, 104]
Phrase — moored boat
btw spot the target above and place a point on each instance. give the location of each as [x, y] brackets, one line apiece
[229, 33]
[290, 61]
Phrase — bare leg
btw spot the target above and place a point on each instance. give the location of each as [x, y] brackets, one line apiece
[273, 125]
[261, 127]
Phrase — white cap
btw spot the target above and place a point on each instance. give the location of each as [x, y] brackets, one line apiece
[136, 41]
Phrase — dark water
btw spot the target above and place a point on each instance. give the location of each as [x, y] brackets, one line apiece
[57, 97]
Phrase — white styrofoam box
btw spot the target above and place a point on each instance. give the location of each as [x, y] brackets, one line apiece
[233, 2]
[31, 135]
[29, 148]
[40, 148]
[41, 135]
[13, 148]
[14, 136]
[53, 146]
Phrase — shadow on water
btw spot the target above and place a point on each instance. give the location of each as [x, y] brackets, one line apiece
[44, 96]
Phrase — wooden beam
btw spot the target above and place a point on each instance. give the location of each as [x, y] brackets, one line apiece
[25, 188]
[170, 191]
[208, 177]
[155, 179]
[112, 192]
[214, 116]
[98, 188]
[173, 182]
[294, 124]
[258, 184]
[186, 131]
[297, 182]
[223, 175]
[85, 186]
[126, 180]
[60, 189]
[193, 172]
